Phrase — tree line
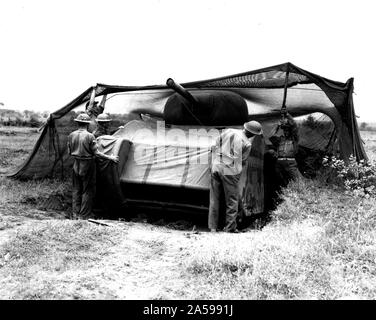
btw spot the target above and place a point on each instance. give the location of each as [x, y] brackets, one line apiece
[26, 118]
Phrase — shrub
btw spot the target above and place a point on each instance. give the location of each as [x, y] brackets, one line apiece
[358, 178]
[311, 122]
[363, 126]
[21, 119]
[35, 121]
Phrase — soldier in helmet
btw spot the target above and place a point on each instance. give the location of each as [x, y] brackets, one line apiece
[82, 146]
[230, 153]
[94, 110]
[285, 141]
[103, 123]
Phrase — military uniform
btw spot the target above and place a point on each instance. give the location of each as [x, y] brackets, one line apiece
[286, 166]
[229, 155]
[285, 140]
[82, 147]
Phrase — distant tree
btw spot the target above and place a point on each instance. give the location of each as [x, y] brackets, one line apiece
[27, 113]
[45, 114]
[363, 126]
[35, 120]
[311, 122]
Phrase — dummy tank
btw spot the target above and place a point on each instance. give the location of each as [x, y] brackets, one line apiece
[170, 176]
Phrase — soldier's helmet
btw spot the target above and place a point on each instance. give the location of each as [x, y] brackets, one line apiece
[253, 127]
[103, 117]
[83, 117]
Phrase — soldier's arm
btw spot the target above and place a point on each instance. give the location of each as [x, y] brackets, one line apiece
[99, 154]
[215, 145]
[91, 103]
[246, 150]
[103, 102]
[275, 140]
[294, 127]
[68, 145]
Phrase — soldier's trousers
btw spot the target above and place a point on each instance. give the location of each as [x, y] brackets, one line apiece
[84, 185]
[286, 171]
[230, 185]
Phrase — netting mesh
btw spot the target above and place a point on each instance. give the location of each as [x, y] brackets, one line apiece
[269, 79]
[262, 91]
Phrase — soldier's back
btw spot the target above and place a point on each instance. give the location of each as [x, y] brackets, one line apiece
[81, 144]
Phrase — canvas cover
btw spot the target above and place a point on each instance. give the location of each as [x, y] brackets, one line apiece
[176, 158]
[262, 90]
[179, 157]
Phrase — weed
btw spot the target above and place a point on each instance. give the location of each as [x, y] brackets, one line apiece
[358, 178]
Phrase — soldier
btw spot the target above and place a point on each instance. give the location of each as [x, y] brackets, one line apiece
[285, 141]
[230, 153]
[94, 110]
[103, 123]
[82, 146]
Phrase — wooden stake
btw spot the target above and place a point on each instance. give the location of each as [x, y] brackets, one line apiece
[99, 222]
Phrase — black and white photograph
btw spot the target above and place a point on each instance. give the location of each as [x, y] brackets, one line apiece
[187, 154]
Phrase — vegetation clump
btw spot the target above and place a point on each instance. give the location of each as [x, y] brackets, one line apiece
[24, 118]
[358, 178]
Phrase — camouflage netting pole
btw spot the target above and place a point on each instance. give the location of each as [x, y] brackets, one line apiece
[283, 108]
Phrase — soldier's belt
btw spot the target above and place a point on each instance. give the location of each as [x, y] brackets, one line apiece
[291, 159]
[83, 158]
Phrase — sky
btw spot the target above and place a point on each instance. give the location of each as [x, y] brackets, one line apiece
[51, 51]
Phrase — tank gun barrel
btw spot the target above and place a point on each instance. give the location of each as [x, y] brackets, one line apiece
[182, 91]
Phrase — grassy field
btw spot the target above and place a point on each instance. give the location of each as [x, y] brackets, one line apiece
[15, 145]
[320, 244]
[369, 138]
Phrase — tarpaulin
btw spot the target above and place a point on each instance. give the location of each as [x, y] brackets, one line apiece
[177, 157]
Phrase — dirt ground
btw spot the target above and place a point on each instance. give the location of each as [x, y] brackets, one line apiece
[145, 263]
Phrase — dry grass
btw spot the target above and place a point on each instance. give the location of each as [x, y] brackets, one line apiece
[37, 262]
[32, 200]
[369, 138]
[319, 246]
[15, 145]
[31, 191]
[20, 198]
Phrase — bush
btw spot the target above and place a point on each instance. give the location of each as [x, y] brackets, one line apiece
[363, 126]
[311, 122]
[358, 178]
